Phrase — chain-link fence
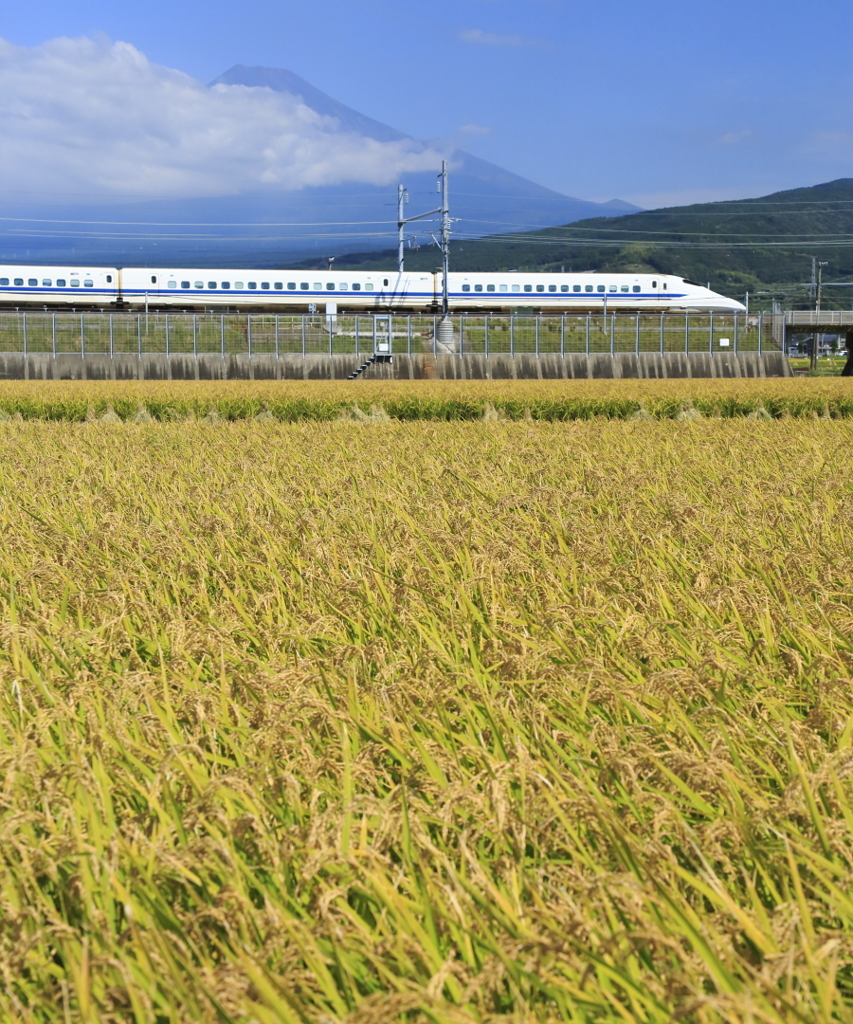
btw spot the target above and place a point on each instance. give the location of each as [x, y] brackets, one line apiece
[271, 334]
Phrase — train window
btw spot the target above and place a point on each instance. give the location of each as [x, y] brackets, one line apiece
[153, 279]
[342, 287]
[18, 281]
[60, 282]
[279, 286]
[654, 284]
[516, 287]
[185, 284]
[330, 286]
[478, 287]
[171, 284]
[490, 287]
[540, 287]
[503, 287]
[552, 287]
[211, 285]
[599, 288]
[33, 282]
[88, 283]
[664, 286]
[576, 288]
[109, 278]
[199, 284]
[385, 282]
[265, 286]
[625, 288]
[356, 287]
[636, 288]
[466, 287]
[238, 285]
[318, 286]
[4, 281]
[226, 285]
[613, 288]
[253, 285]
[564, 287]
[588, 288]
[304, 286]
[368, 287]
[528, 288]
[46, 281]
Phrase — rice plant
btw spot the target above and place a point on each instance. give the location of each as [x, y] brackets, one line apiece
[431, 721]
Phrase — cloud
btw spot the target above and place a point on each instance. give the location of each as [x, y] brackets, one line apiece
[92, 116]
[478, 36]
[735, 138]
[475, 129]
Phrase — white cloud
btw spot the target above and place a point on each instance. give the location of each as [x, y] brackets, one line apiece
[477, 35]
[87, 116]
[735, 138]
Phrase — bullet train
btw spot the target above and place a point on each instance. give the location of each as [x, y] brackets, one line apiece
[343, 291]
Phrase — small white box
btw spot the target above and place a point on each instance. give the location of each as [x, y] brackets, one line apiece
[724, 342]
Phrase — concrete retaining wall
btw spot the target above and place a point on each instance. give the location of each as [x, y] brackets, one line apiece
[16, 366]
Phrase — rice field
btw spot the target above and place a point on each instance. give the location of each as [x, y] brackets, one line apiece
[409, 720]
[554, 400]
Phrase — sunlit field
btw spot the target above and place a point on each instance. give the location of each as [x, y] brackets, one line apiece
[487, 721]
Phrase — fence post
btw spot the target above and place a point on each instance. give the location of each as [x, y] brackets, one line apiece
[612, 334]
[461, 334]
[139, 335]
[222, 332]
[249, 333]
[409, 334]
[760, 330]
[736, 334]
[53, 334]
[195, 335]
[277, 348]
[329, 325]
[487, 335]
[303, 335]
[587, 333]
[82, 337]
[638, 334]
[112, 338]
[25, 334]
[356, 335]
[167, 336]
[687, 334]
[711, 334]
[661, 334]
[536, 333]
[563, 336]
[512, 334]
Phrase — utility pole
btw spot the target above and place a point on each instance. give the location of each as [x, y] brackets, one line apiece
[402, 199]
[445, 238]
[444, 210]
[816, 336]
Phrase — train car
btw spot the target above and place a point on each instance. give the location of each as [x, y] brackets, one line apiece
[63, 287]
[341, 291]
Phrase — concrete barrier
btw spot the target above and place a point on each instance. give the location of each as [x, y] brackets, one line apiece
[423, 366]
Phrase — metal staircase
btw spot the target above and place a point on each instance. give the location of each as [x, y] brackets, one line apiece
[375, 358]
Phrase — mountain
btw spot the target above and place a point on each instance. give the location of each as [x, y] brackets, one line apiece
[267, 228]
[763, 245]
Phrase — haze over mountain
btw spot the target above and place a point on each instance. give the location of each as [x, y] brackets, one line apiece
[268, 223]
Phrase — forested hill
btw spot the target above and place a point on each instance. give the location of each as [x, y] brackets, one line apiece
[761, 245]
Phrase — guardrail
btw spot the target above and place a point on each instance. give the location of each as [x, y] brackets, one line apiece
[276, 334]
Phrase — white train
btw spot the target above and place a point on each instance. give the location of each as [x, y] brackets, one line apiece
[342, 291]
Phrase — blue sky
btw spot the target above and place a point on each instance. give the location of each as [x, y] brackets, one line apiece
[658, 102]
